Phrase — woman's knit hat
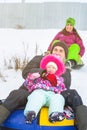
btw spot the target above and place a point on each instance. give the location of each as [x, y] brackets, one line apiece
[70, 21]
[53, 58]
[61, 44]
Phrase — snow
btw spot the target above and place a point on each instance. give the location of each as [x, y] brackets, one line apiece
[23, 42]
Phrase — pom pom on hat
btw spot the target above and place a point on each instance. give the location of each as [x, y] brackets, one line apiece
[53, 58]
[70, 21]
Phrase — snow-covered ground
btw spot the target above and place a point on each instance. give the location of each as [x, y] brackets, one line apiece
[23, 42]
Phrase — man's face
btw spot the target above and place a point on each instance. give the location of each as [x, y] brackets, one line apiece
[58, 50]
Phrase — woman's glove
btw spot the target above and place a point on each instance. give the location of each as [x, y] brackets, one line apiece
[51, 78]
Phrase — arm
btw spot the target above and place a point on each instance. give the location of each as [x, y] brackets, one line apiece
[67, 78]
[33, 66]
[50, 77]
[30, 79]
[80, 43]
[55, 38]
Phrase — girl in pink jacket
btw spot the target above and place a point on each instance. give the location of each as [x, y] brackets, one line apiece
[45, 90]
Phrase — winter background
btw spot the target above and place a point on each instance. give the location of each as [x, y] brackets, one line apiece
[14, 42]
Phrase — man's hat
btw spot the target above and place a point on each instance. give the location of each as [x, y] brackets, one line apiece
[61, 44]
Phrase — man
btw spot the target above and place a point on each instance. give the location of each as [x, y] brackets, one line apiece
[18, 98]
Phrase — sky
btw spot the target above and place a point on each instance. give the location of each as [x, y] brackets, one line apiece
[20, 42]
[40, 1]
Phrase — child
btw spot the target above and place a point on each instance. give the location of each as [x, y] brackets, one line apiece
[45, 90]
[70, 36]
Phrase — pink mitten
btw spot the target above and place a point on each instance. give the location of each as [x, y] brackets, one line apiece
[34, 76]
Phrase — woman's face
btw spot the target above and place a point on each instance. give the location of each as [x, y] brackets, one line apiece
[69, 28]
[58, 50]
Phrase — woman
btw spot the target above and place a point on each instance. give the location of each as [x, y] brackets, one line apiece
[70, 36]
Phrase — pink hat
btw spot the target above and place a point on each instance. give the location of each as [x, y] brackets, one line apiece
[53, 58]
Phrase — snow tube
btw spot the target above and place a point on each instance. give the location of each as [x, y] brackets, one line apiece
[16, 121]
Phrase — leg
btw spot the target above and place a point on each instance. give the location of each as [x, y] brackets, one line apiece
[81, 117]
[57, 103]
[56, 107]
[72, 99]
[35, 101]
[15, 99]
[73, 54]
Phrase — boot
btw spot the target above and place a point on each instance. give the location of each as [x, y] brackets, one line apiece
[30, 117]
[70, 63]
[55, 116]
[4, 113]
[81, 117]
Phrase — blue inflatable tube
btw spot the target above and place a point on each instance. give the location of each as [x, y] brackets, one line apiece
[17, 121]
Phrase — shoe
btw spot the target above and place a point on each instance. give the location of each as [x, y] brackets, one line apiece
[0, 101]
[78, 65]
[70, 64]
[30, 117]
[55, 116]
[68, 112]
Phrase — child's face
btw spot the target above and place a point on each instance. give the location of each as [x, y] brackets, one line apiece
[51, 69]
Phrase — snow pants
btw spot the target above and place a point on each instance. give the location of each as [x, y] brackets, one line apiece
[73, 52]
[72, 99]
[39, 98]
[81, 117]
[16, 98]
